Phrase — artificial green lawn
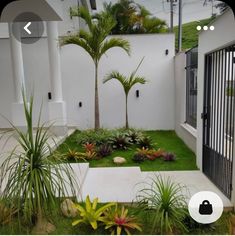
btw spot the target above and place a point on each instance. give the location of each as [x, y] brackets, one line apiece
[166, 140]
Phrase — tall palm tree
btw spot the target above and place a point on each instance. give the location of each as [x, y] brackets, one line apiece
[133, 18]
[127, 83]
[144, 22]
[94, 41]
[122, 12]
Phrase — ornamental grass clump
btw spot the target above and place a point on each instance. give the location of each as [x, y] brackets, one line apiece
[31, 182]
[166, 202]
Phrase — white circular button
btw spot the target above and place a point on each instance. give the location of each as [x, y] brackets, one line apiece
[212, 27]
[199, 27]
[205, 27]
[205, 207]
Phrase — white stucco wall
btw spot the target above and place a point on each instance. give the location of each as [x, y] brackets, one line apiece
[154, 109]
[184, 131]
[222, 36]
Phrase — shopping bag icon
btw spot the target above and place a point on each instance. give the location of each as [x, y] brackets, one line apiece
[205, 208]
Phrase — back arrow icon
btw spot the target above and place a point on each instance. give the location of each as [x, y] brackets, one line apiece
[26, 28]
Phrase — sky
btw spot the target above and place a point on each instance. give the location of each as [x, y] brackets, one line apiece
[193, 10]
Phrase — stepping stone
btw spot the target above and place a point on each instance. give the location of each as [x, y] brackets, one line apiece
[119, 160]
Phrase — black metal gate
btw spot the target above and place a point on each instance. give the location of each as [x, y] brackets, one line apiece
[218, 117]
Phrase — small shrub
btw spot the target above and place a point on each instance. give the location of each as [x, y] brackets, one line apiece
[138, 158]
[120, 141]
[143, 151]
[169, 156]
[145, 142]
[155, 154]
[89, 155]
[133, 136]
[104, 150]
[118, 221]
[151, 154]
[71, 155]
[89, 147]
[97, 137]
[91, 214]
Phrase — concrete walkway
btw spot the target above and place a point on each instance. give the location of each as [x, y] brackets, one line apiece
[123, 183]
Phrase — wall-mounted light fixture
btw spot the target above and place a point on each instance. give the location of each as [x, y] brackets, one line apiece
[80, 104]
[167, 52]
[137, 93]
[49, 96]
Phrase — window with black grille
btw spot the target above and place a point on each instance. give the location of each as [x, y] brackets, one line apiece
[191, 87]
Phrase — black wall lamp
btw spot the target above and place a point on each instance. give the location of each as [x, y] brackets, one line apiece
[49, 96]
[80, 104]
[137, 93]
[167, 52]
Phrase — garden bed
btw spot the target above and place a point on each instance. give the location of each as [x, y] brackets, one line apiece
[64, 226]
[164, 140]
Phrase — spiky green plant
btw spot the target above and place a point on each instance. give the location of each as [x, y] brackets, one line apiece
[167, 201]
[91, 214]
[118, 220]
[127, 83]
[94, 41]
[34, 182]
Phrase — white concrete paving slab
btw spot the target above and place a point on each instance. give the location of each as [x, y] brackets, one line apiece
[194, 181]
[112, 184]
[123, 183]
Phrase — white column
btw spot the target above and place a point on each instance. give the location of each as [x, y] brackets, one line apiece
[17, 62]
[57, 107]
[18, 117]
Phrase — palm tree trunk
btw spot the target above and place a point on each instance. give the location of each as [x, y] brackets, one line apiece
[127, 123]
[97, 113]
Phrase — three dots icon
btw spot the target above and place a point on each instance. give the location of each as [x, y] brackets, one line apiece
[205, 28]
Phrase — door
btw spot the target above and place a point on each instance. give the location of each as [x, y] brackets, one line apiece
[218, 118]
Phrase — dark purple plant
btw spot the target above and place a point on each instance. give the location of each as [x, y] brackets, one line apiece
[138, 157]
[169, 156]
[104, 150]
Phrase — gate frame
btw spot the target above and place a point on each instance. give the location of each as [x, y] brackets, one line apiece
[206, 116]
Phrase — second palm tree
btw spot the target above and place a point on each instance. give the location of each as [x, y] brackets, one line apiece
[127, 83]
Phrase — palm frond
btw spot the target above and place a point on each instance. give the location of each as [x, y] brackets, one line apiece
[126, 82]
[114, 75]
[137, 80]
[137, 68]
[154, 25]
[115, 42]
[85, 15]
[76, 40]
